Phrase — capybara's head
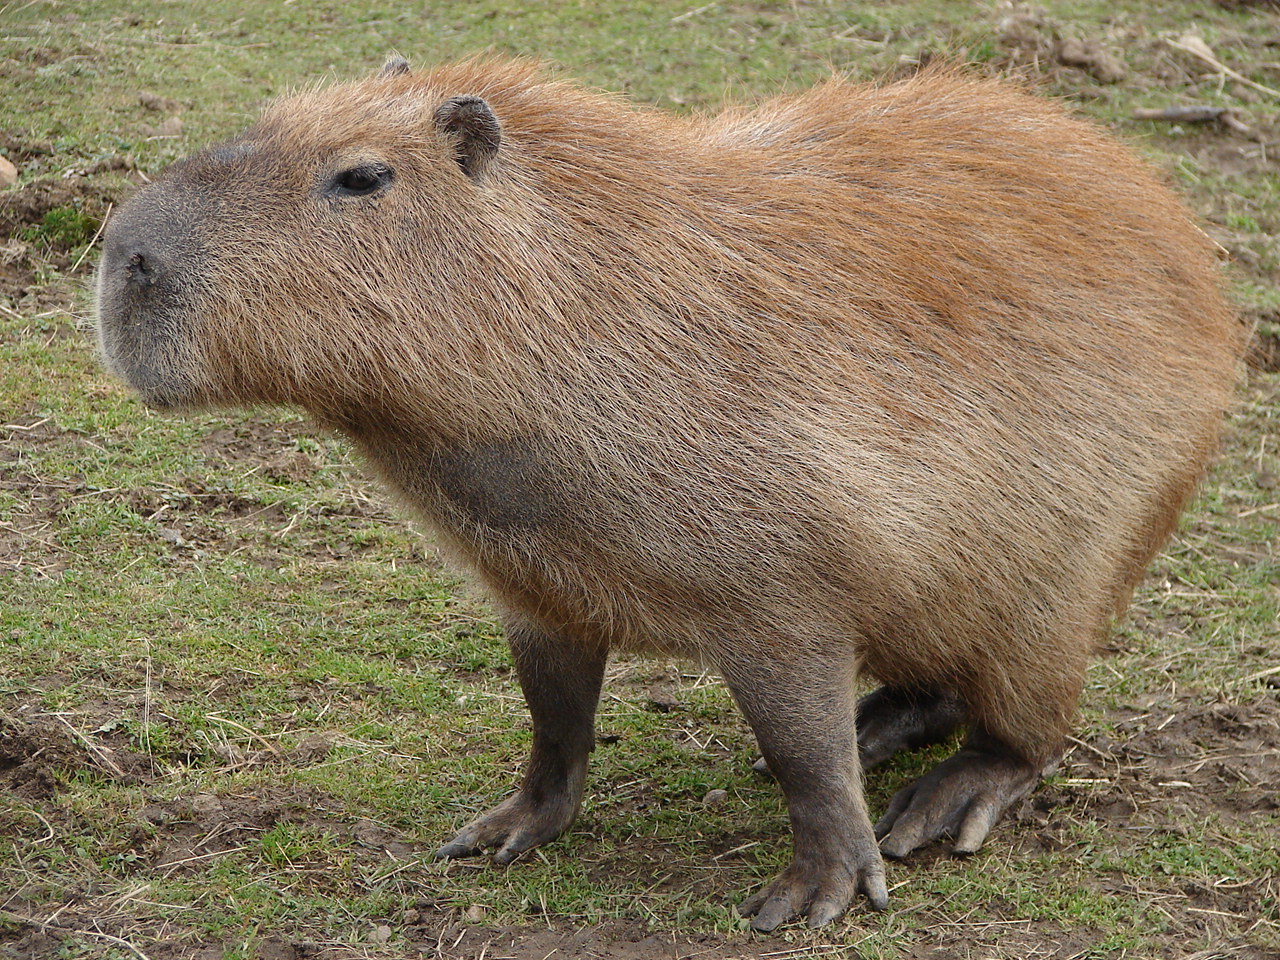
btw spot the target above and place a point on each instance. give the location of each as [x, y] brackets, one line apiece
[284, 265]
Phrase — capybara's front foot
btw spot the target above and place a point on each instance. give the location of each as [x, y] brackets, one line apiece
[517, 824]
[962, 797]
[820, 887]
[561, 684]
[803, 714]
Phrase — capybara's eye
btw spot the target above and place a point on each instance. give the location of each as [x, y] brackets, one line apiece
[361, 181]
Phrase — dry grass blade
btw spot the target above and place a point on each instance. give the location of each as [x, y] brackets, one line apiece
[101, 226]
[240, 726]
[1194, 45]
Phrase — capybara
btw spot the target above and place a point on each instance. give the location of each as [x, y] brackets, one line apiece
[908, 379]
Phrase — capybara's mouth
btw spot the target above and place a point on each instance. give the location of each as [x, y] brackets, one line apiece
[145, 363]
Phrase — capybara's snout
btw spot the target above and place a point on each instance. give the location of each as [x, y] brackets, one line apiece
[148, 295]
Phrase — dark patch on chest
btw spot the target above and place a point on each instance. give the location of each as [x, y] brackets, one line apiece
[512, 485]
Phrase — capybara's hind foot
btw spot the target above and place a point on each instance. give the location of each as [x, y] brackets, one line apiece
[819, 889]
[962, 797]
[892, 719]
[512, 827]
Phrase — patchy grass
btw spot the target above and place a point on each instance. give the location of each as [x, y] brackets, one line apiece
[240, 703]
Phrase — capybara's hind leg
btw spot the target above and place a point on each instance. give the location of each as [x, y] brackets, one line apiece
[961, 797]
[893, 719]
[1017, 722]
[561, 683]
[803, 716]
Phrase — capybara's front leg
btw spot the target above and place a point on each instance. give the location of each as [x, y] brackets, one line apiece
[561, 684]
[803, 712]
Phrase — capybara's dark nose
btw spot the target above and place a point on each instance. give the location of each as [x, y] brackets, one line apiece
[151, 249]
[140, 269]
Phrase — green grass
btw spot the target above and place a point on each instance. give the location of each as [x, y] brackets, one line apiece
[66, 227]
[265, 703]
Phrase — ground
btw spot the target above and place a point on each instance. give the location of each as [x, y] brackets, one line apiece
[242, 702]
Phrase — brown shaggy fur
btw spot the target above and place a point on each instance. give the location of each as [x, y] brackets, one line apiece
[913, 379]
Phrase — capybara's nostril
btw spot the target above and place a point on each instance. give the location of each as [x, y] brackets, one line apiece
[140, 270]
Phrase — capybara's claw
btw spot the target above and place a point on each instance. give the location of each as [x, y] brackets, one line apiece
[459, 846]
[516, 825]
[817, 893]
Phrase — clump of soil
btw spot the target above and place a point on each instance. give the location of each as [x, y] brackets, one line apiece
[47, 224]
[35, 752]
[28, 762]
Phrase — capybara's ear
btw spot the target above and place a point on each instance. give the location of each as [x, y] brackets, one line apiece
[474, 130]
[394, 67]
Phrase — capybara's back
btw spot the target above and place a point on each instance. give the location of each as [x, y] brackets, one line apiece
[913, 379]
